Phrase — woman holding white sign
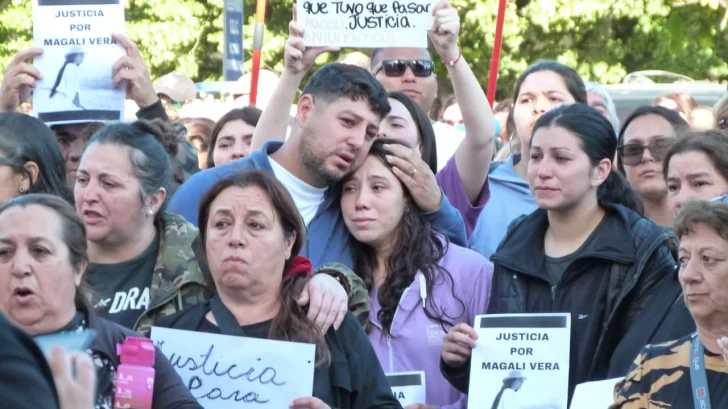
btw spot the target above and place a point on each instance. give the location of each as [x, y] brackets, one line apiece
[251, 230]
[690, 371]
[590, 252]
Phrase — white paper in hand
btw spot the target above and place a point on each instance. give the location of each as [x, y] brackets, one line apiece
[78, 53]
[594, 395]
[226, 372]
[365, 24]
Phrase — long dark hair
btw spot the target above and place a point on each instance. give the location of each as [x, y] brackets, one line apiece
[291, 323]
[425, 132]
[69, 60]
[250, 115]
[672, 117]
[599, 142]
[27, 139]
[417, 248]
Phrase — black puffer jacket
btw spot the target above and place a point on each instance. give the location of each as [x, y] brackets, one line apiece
[604, 288]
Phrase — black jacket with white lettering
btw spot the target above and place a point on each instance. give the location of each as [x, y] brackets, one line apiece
[353, 380]
[604, 288]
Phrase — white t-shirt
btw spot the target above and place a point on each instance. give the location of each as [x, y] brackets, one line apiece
[447, 138]
[307, 198]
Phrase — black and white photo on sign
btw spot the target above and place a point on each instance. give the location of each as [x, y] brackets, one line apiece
[520, 361]
[78, 55]
[66, 88]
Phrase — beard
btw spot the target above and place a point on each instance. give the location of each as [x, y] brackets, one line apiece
[314, 157]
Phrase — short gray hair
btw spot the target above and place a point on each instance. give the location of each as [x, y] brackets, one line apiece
[599, 90]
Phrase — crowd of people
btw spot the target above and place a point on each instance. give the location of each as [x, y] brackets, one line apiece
[326, 227]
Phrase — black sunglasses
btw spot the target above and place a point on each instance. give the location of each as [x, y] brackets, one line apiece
[631, 154]
[397, 68]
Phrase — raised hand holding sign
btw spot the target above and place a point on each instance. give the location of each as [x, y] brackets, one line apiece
[299, 58]
[366, 23]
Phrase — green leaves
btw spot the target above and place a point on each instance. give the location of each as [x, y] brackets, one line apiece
[602, 39]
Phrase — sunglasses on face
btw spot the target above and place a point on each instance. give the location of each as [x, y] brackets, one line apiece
[631, 154]
[397, 68]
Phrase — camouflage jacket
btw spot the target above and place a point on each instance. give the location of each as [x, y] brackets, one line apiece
[355, 288]
[178, 281]
[179, 274]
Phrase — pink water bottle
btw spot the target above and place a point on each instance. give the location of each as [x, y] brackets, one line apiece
[135, 376]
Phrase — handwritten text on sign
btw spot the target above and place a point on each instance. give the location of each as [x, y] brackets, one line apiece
[522, 359]
[224, 372]
[366, 24]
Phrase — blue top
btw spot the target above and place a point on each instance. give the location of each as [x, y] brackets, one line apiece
[327, 238]
[510, 197]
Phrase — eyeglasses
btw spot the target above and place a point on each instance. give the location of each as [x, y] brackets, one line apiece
[397, 68]
[631, 154]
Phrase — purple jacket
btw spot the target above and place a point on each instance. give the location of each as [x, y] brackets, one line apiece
[416, 341]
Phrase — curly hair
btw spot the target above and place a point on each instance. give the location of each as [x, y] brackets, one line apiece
[409, 257]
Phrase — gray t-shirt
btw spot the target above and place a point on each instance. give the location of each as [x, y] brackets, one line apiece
[556, 266]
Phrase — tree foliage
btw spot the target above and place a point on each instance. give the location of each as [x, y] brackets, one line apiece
[602, 39]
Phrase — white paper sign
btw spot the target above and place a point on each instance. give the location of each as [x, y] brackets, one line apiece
[78, 53]
[226, 372]
[408, 387]
[594, 395]
[521, 361]
[365, 24]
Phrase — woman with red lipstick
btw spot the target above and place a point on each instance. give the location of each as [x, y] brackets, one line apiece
[590, 252]
[644, 140]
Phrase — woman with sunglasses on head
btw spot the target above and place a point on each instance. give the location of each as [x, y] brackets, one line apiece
[644, 140]
[542, 87]
[587, 249]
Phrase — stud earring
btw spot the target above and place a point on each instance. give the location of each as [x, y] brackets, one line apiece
[150, 212]
[21, 190]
